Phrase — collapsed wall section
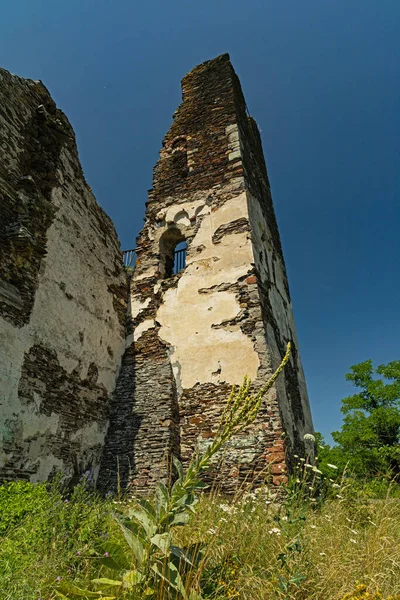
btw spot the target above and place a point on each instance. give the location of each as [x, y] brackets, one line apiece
[63, 294]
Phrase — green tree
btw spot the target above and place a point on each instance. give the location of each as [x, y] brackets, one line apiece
[370, 434]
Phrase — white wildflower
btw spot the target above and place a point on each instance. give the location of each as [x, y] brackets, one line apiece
[212, 531]
[322, 553]
[274, 530]
[353, 541]
[331, 466]
[317, 470]
[228, 509]
[313, 527]
[336, 486]
[284, 518]
[309, 437]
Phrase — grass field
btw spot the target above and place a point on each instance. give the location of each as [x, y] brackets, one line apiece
[252, 548]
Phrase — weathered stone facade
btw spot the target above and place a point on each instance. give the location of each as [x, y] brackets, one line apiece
[227, 314]
[63, 294]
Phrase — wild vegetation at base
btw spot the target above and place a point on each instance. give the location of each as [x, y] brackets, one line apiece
[330, 535]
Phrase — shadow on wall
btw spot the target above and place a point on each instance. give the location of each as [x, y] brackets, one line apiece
[117, 461]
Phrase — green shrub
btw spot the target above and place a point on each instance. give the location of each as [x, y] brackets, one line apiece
[18, 500]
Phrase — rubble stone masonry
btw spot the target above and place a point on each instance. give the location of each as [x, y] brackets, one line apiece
[63, 294]
[227, 314]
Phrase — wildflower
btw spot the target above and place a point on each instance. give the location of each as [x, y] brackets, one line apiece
[322, 553]
[317, 470]
[226, 508]
[78, 553]
[313, 527]
[331, 466]
[336, 486]
[296, 455]
[309, 437]
[58, 578]
[212, 531]
[298, 480]
[106, 554]
[353, 541]
[65, 501]
[284, 518]
[274, 530]
[223, 520]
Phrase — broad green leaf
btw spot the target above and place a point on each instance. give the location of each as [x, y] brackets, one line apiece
[148, 507]
[132, 578]
[69, 588]
[103, 581]
[191, 554]
[194, 596]
[162, 541]
[170, 574]
[178, 467]
[133, 542]
[179, 519]
[161, 499]
[145, 519]
[110, 563]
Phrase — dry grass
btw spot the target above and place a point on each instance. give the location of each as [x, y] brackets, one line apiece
[259, 551]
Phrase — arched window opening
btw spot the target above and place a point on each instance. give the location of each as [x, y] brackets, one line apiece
[173, 252]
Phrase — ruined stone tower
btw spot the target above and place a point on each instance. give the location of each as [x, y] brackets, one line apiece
[202, 318]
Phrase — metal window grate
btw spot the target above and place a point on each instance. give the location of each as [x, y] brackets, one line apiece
[179, 260]
[128, 257]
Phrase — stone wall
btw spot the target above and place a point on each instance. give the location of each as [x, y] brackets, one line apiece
[226, 315]
[63, 294]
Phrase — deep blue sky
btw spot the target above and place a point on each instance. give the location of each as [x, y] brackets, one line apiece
[321, 77]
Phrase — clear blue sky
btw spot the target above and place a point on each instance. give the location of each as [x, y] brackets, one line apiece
[321, 77]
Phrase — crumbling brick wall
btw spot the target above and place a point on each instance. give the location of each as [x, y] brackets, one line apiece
[227, 314]
[63, 294]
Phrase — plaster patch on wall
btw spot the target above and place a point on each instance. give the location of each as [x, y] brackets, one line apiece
[137, 306]
[142, 327]
[188, 318]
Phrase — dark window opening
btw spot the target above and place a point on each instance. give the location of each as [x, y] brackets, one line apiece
[179, 257]
[173, 252]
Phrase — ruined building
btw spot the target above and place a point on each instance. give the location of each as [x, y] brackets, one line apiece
[207, 303]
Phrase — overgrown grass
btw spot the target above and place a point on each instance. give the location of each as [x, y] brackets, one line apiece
[254, 548]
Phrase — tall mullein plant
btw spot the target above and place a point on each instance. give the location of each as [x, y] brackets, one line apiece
[151, 561]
